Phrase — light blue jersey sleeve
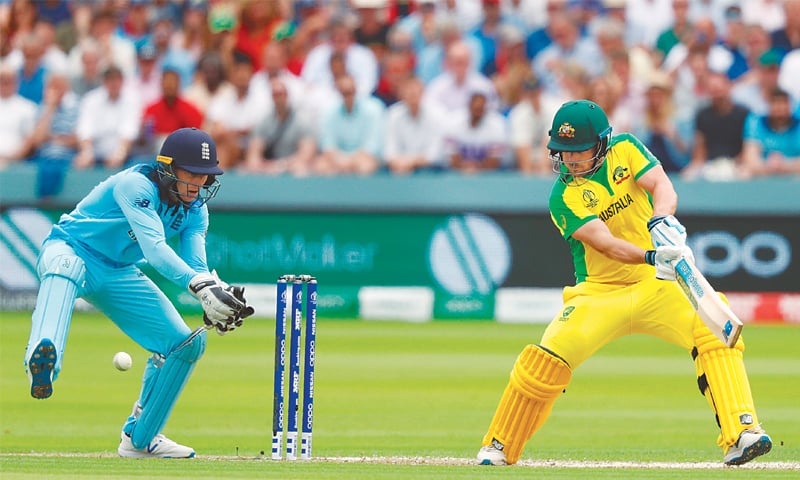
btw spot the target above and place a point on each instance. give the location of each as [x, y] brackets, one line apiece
[138, 200]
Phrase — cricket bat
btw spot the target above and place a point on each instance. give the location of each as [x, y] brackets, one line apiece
[715, 313]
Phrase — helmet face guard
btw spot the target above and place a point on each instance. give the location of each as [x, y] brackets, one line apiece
[191, 150]
[578, 126]
[566, 175]
[170, 181]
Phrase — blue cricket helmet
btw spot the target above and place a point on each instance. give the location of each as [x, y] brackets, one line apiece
[192, 150]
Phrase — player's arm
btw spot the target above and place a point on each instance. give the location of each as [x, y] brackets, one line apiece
[596, 235]
[660, 188]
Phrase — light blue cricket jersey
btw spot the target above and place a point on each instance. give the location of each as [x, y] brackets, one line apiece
[786, 142]
[123, 221]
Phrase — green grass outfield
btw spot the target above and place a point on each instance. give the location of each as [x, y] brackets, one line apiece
[393, 400]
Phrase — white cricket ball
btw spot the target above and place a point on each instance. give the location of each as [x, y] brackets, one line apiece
[122, 361]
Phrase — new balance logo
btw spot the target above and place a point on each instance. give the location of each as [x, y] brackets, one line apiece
[746, 419]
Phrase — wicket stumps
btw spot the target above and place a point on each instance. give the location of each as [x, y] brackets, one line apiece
[290, 295]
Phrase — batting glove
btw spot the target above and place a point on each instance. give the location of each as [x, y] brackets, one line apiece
[666, 230]
[664, 259]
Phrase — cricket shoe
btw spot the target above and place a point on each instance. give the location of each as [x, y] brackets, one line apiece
[751, 444]
[160, 447]
[41, 366]
[492, 455]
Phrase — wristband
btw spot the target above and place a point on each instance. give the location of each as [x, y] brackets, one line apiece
[650, 257]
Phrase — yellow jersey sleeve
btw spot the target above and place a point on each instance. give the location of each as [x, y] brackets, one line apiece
[612, 195]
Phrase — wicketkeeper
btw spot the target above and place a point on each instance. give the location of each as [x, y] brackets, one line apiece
[93, 252]
[614, 205]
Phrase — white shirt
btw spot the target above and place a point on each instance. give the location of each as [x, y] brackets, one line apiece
[106, 122]
[790, 73]
[360, 63]
[488, 138]
[295, 86]
[528, 127]
[237, 113]
[16, 123]
[409, 135]
[444, 92]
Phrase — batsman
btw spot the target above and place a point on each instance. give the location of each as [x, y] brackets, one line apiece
[94, 251]
[615, 206]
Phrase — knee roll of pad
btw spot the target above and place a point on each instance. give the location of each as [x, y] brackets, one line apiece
[170, 379]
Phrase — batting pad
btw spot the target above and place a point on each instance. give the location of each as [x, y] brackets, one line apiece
[54, 304]
[170, 378]
[722, 379]
[537, 379]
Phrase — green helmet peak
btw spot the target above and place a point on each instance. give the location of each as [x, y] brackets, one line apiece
[577, 126]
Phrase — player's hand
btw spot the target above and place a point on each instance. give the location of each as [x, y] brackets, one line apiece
[233, 322]
[218, 302]
[664, 259]
[666, 230]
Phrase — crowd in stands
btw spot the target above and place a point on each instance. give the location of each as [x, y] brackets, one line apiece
[329, 87]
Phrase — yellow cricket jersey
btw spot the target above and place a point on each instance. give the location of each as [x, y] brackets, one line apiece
[612, 195]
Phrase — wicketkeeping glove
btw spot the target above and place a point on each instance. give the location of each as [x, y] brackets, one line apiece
[233, 322]
[218, 302]
[666, 230]
[664, 259]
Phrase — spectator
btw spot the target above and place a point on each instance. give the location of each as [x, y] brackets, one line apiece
[488, 34]
[371, 30]
[772, 141]
[53, 58]
[789, 73]
[529, 122]
[606, 91]
[662, 132]
[194, 36]
[310, 22]
[451, 90]
[718, 136]
[351, 133]
[32, 74]
[283, 142]
[568, 47]
[114, 49]
[691, 89]
[136, 23]
[679, 32]
[704, 39]
[512, 66]
[166, 114]
[17, 120]
[258, 22]
[209, 82]
[274, 65]
[733, 39]
[787, 38]
[394, 71]
[651, 17]
[476, 141]
[423, 24]
[359, 60]
[146, 82]
[431, 60]
[413, 132]
[767, 13]
[231, 117]
[541, 38]
[54, 140]
[532, 13]
[175, 57]
[754, 91]
[21, 20]
[108, 123]
[89, 75]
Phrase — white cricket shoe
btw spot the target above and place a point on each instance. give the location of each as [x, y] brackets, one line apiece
[751, 444]
[160, 447]
[491, 455]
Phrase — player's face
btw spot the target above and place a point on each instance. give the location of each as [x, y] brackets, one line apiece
[579, 163]
[189, 185]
